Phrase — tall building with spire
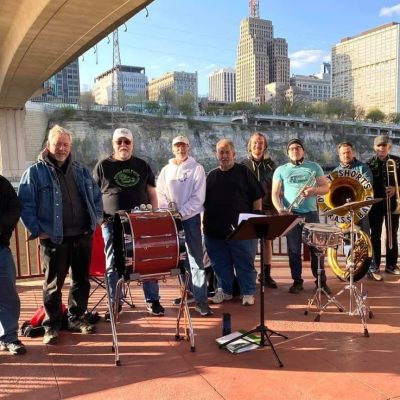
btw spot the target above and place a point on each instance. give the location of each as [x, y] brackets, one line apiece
[261, 58]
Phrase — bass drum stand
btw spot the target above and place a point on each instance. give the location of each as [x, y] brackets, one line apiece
[357, 303]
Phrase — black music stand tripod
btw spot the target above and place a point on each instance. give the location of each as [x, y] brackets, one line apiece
[263, 228]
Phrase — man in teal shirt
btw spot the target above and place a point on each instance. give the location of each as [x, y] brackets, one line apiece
[292, 180]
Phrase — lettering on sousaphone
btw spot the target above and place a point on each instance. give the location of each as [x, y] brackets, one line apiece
[346, 184]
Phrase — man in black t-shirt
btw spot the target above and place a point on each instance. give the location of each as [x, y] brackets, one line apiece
[126, 182]
[231, 189]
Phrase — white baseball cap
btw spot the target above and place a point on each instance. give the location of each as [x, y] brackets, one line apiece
[122, 132]
[180, 139]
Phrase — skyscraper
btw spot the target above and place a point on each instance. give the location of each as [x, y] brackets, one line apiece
[261, 58]
[222, 85]
[365, 69]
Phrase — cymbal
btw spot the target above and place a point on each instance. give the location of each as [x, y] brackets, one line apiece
[353, 205]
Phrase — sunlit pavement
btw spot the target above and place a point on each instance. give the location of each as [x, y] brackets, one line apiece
[330, 359]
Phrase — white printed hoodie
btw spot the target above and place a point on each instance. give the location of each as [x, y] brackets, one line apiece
[183, 184]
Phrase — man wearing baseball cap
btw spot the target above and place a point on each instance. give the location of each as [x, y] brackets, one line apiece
[384, 186]
[182, 182]
[126, 182]
[293, 180]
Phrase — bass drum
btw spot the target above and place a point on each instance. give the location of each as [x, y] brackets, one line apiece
[362, 256]
[148, 244]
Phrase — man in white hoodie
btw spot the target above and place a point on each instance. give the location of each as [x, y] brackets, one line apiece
[182, 182]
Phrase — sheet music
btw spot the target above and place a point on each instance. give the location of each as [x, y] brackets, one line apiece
[246, 216]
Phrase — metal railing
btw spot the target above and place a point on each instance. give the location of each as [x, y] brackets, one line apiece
[27, 254]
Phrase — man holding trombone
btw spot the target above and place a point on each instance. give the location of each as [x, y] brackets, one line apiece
[299, 181]
[385, 170]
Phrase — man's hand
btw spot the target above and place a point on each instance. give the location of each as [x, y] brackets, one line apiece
[44, 235]
[390, 191]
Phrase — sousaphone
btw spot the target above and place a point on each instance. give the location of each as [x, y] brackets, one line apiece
[348, 185]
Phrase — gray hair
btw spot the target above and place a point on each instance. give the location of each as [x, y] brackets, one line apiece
[58, 130]
[226, 142]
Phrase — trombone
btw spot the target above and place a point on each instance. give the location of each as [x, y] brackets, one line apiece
[391, 168]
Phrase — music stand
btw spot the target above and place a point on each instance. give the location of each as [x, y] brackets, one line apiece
[263, 228]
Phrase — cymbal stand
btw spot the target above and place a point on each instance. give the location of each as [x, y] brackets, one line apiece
[357, 302]
[316, 298]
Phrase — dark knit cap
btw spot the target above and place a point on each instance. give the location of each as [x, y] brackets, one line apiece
[292, 141]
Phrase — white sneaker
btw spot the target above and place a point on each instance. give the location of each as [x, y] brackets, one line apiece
[220, 296]
[248, 300]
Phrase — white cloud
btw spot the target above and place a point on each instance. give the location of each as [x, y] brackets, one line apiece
[389, 11]
[210, 66]
[303, 58]
[183, 64]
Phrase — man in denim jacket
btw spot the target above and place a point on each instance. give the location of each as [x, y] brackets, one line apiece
[61, 205]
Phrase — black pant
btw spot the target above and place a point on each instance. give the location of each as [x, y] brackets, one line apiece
[376, 217]
[75, 253]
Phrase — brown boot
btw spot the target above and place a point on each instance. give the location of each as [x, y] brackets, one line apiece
[268, 281]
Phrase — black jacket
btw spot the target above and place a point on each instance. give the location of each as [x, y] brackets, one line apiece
[10, 211]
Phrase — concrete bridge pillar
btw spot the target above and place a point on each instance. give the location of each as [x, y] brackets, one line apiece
[12, 143]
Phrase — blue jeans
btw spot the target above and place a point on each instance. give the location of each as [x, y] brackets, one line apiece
[294, 241]
[229, 256]
[9, 300]
[194, 247]
[150, 288]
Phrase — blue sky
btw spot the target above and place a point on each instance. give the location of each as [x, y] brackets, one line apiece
[202, 35]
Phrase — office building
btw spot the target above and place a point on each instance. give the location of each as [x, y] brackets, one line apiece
[261, 58]
[63, 87]
[129, 80]
[179, 82]
[312, 87]
[365, 69]
[222, 85]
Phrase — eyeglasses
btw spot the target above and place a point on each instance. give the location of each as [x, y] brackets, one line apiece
[124, 141]
[381, 145]
[293, 148]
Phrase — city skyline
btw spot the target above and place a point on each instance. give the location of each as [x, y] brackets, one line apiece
[186, 36]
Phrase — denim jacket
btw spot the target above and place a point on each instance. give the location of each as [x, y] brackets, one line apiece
[41, 200]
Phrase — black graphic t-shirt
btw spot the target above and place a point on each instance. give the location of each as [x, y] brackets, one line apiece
[123, 183]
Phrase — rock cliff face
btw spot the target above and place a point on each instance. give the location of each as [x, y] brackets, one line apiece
[153, 137]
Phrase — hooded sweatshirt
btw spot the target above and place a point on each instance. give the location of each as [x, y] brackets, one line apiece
[184, 185]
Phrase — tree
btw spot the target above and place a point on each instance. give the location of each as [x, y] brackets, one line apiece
[357, 113]
[186, 105]
[375, 115]
[86, 100]
[152, 106]
[168, 99]
[394, 118]
[339, 108]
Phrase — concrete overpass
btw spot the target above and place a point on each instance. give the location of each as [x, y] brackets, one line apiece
[37, 39]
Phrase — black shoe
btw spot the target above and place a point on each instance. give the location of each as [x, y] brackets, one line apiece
[392, 269]
[107, 317]
[374, 275]
[155, 308]
[268, 281]
[81, 326]
[50, 336]
[15, 348]
[297, 287]
[178, 300]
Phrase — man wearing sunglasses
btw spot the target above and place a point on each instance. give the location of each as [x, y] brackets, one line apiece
[125, 182]
[383, 186]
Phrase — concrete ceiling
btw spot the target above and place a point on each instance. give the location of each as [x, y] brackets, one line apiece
[38, 38]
